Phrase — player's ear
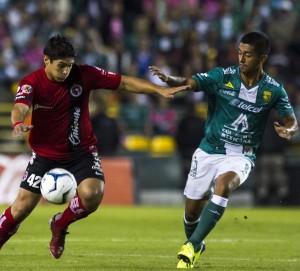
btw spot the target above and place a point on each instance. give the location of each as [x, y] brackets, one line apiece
[263, 58]
[46, 60]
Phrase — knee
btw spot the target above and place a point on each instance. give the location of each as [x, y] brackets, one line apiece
[91, 196]
[225, 187]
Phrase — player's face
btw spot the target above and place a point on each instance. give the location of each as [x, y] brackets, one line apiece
[249, 62]
[58, 70]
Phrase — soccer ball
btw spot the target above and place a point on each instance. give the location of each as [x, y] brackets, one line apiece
[58, 186]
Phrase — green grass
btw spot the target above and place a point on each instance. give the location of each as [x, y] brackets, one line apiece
[148, 238]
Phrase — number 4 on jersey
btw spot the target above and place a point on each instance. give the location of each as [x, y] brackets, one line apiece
[241, 122]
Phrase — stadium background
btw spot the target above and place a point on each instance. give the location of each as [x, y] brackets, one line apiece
[145, 161]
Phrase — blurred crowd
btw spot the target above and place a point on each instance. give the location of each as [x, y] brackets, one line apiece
[182, 37]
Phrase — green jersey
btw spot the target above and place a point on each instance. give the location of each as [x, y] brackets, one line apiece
[237, 113]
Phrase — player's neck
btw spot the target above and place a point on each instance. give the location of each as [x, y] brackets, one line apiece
[252, 79]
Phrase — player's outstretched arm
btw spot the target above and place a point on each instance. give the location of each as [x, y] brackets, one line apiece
[289, 127]
[18, 115]
[137, 85]
[173, 81]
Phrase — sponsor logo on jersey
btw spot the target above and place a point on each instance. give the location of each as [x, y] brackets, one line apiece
[26, 89]
[229, 71]
[97, 164]
[38, 106]
[229, 84]
[246, 170]
[267, 96]
[194, 167]
[74, 136]
[228, 92]
[20, 97]
[248, 150]
[76, 90]
[248, 107]
[271, 81]
[75, 206]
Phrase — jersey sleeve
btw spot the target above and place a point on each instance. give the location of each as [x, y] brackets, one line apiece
[99, 78]
[283, 105]
[24, 92]
[209, 82]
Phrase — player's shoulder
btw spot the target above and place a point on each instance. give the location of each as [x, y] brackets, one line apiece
[271, 82]
[231, 70]
[34, 76]
[226, 72]
[89, 70]
[86, 67]
[219, 71]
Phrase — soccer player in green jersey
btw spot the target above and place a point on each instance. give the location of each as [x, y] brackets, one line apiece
[240, 99]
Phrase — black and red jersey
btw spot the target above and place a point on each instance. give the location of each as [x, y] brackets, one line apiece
[60, 113]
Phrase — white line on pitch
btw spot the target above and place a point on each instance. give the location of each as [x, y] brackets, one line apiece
[169, 257]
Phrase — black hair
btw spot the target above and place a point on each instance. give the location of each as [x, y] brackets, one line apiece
[259, 41]
[59, 47]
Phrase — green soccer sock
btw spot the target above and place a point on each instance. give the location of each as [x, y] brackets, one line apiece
[189, 227]
[211, 214]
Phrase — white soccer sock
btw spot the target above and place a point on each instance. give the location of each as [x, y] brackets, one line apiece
[219, 200]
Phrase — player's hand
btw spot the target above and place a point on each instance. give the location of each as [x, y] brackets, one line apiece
[161, 75]
[20, 129]
[282, 131]
[170, 92]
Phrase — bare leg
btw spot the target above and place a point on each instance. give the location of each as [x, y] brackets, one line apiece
[11, 218]
[24, 204]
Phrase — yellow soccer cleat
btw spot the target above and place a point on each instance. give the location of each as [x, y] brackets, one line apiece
[186, 256]
[198, 253]
[183, 265]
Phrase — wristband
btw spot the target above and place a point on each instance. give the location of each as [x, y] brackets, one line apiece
[17, 123]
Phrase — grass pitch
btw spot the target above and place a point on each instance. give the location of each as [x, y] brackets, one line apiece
[148, 238]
